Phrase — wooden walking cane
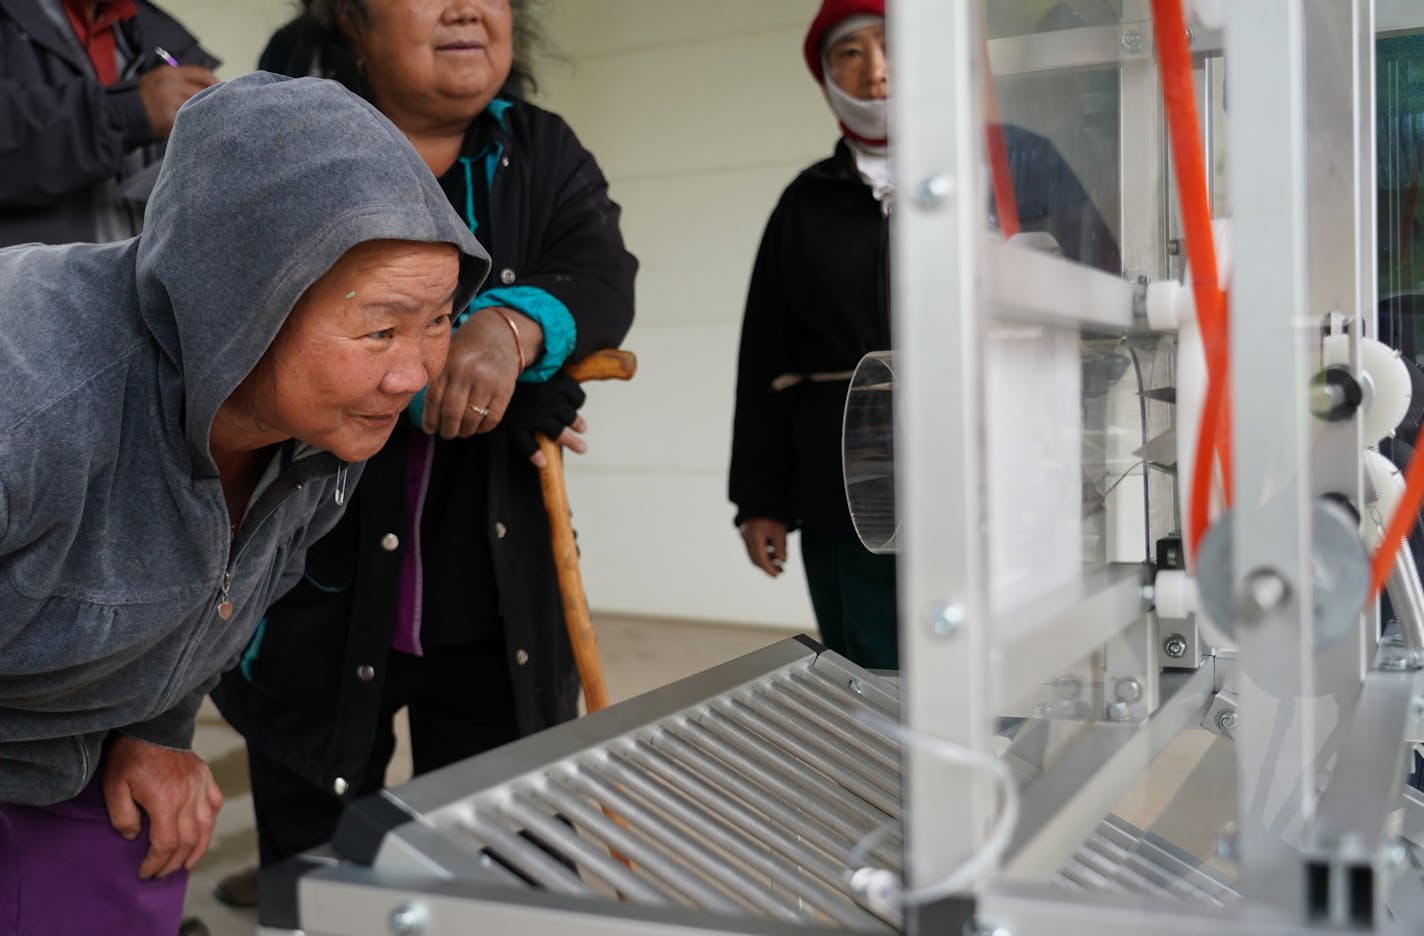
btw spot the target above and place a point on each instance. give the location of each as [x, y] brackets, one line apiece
[609, 364]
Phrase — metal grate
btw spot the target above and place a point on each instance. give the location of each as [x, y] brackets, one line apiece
[1119, 857]
[748, 803]
[741, 792]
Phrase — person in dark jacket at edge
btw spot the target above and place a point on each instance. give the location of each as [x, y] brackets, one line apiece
[819, 301]
[88, 90]
[437, 593]
[182, 414]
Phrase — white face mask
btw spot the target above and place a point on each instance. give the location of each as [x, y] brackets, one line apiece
[864, 117]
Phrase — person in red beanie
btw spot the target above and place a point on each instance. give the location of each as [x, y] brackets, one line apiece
[818, 301]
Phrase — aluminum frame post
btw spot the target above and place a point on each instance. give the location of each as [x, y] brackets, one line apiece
[938, 229]
[1335, 154]
[1271, 576]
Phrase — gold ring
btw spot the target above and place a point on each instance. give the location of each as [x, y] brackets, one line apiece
[482, 410]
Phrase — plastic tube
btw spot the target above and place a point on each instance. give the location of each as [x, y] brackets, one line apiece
[1175, 64]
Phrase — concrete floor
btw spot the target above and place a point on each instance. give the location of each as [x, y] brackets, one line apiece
[638, 655]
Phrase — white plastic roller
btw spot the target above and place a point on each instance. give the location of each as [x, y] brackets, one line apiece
[1384, 381]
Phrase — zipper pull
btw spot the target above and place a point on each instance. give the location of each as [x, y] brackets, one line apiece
[224, 602]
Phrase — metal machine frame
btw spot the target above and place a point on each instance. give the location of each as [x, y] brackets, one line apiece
[1305, 229]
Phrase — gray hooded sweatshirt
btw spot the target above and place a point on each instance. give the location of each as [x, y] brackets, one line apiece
[115, 543]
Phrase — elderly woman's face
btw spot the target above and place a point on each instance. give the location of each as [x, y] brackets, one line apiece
[856, 63]
[437, 58]
[358, 345]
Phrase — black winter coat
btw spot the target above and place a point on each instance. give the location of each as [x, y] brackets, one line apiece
[61, 131]
[819, 300]
[311, 691]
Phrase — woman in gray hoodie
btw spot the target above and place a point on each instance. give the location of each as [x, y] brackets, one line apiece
[179, 418]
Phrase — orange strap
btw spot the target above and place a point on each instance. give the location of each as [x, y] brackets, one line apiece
[998, 153]
[1174, 61]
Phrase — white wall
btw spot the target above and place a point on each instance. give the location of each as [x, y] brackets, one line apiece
[699, 113]
[233, 30]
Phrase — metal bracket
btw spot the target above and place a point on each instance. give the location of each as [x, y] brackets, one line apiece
[1221, 715]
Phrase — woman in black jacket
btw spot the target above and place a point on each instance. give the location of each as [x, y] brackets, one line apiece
[819, 300]
[437, 592]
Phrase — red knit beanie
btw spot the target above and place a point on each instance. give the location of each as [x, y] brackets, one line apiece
[832, 12]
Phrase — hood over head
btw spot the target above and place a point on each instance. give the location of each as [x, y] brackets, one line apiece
[267, 182]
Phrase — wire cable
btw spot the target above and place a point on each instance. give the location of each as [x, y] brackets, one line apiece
[880, 885]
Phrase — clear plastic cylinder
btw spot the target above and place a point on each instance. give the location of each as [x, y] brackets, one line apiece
[868, 452]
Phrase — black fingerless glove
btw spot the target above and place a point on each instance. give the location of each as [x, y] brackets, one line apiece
[547, 407]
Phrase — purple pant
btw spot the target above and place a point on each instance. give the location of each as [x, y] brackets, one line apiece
[64, 870]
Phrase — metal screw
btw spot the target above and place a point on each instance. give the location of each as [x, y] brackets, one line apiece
[856, 687]
[1226, 720]
[1132, 41]
[1264, 591]
[947, 620]
[934, 191]
[1175, 646]
[1149, 595]
[1174, 247]
[1128, 690]
[409, 919]
[1118, 711]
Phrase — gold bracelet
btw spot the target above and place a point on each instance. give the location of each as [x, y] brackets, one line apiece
[518, 342]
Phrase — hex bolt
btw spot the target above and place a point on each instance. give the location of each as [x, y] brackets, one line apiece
[1118, 711]
[1226, 720]
[1132, 41]
[409, 919]
[946, 620]
[1128, 690]
[1175, 646]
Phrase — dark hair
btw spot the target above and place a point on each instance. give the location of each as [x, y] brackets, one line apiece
[332, 24]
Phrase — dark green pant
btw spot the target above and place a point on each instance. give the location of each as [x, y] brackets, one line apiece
[853, 594]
